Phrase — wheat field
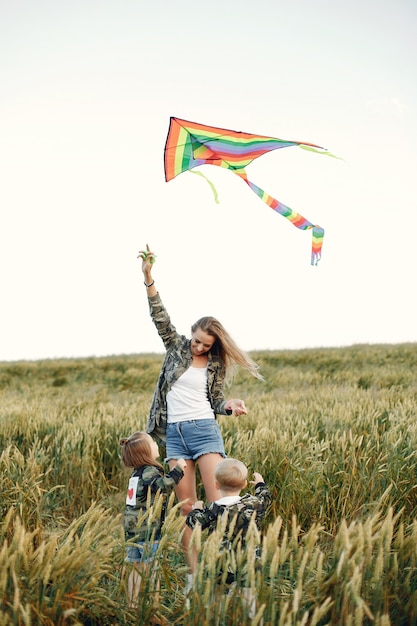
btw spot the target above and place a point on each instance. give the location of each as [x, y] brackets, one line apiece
[333, 432]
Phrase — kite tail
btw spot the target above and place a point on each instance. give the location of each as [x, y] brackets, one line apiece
[317, 243]
[295, 218]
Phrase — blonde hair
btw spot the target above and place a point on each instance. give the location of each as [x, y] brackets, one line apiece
[231, 475]
[226, 348]
[136, 450]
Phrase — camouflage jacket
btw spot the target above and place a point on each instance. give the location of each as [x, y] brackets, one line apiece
[249, 506]
[151, 480]
[177, 360]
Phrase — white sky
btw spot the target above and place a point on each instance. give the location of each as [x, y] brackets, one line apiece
[86, 91]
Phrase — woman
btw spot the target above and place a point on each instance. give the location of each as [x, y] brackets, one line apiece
[189, 394]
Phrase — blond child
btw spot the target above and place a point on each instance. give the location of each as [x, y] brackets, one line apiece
[231, 478]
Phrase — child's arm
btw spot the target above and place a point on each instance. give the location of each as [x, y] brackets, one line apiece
[262, 492]
[153, 478]
[177, 471]
[200, 515]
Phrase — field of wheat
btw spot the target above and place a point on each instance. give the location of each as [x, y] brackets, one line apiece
[332, 431]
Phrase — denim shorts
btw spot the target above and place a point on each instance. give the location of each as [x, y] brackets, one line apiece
[193, 438]
[141, 552]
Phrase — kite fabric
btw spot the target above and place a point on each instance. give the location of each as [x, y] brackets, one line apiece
[190, 144]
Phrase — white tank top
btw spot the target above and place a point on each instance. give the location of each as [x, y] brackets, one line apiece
[187, 399]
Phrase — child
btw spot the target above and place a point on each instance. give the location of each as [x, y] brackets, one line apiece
[231, 477]
[141, 452]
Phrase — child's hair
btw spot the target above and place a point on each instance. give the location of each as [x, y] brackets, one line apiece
[231, 475]
[136, 450]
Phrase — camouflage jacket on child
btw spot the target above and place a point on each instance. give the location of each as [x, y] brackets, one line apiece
[248, 507]
[144, 484]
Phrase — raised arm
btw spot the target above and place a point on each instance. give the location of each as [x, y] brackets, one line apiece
[159, 314]
[148, 259]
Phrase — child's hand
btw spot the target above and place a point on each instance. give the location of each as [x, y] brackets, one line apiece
[198, 505]
[182, 464]
[257, 478]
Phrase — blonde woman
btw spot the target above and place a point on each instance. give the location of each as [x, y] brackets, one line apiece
[190, 393]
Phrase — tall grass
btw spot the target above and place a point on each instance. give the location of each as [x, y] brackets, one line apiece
[332, 431]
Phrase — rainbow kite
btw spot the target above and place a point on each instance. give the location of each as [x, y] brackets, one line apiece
[189, 145]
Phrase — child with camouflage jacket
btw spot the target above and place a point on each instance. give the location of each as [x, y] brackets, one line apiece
[231, 477]
[148, 479]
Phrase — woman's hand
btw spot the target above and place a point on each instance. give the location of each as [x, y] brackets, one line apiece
[236, 406]
[148, 259]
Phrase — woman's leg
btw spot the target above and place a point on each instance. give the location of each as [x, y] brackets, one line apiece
[186, 492]
[186, 489]
[207, 464]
